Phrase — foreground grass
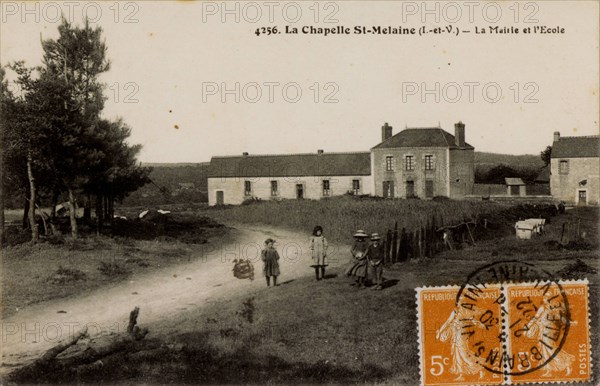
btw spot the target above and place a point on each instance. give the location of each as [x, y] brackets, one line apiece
[328, 332]
[341, 216]
[33, 273]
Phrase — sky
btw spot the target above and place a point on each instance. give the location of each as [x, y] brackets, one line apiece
[193, 80]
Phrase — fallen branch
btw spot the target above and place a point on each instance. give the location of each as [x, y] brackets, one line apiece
[54, 351]
[83, 358]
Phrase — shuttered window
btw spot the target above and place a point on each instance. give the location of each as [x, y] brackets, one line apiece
[563, 167]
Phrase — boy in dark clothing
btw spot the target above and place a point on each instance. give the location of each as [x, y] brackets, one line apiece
[375, 256]
[270, 258]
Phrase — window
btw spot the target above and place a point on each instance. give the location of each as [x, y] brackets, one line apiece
[428, 162]
[247, 188]
[356, 186]
[274, 190]
[563, 167]
[326, 190]
[389, 163]
[410, 162]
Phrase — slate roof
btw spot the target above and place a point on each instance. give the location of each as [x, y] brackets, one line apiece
[421, 137]
[292, 165]
[576, 147]
[513, 181]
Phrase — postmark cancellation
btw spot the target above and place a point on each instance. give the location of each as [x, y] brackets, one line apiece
[502, 333]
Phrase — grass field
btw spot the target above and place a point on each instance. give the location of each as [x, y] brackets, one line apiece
[33, 273]
[328, 332]
[341, 216]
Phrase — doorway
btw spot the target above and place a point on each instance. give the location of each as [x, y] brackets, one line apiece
[410, 189]
[388, 189]
[429, 188]
[582, 197]
[220, 197]
[299, 191]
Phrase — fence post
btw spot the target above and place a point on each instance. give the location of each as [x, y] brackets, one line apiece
[402, 246]
[388, 246]
[395, 243]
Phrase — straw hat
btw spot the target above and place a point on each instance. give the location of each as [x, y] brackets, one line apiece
[375, 236]
[360, 233]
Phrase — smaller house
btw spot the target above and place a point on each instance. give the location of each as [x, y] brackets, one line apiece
[515, 187]
[575, 169]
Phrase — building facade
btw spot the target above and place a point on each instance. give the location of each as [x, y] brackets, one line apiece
[416, 162]
[575, 169]
[233, 180]
[423, 162]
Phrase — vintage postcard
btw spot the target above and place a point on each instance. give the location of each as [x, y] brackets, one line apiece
[300, 192]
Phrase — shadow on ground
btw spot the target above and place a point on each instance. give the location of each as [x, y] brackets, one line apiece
[195, 362]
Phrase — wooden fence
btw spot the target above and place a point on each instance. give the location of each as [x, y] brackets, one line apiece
[426, 240]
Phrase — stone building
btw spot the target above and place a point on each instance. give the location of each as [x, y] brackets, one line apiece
[234, 179]
[423, 162]
[575, 169]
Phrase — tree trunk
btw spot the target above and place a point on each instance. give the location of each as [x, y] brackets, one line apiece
[25, 222]
[99, 214]
[32, 198]
[54, 204]
[72, 214]
[87, 209]
[110, 209]
[1, 187]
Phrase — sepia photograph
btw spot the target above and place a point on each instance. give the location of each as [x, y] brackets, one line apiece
[300, 192]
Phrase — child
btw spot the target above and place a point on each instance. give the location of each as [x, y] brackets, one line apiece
[358, 269]
[375, 256]
[270, 258]
[318, 246]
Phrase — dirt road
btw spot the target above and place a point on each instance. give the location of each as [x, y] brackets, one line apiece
[160, 294]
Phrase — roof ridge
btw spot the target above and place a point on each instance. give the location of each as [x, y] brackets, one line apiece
[579, 136]
[445, 139]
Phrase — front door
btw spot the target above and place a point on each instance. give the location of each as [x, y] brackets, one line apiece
[429, 188]
[388, 189]
[410, 189]
[582, 197]
[514, 190]
[220, 198]
[299, 191]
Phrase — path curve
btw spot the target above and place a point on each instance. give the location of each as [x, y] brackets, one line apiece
[160, 294]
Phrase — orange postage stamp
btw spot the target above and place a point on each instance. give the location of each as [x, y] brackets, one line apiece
[495, 330]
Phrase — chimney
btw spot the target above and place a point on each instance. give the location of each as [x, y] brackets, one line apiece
[459, 134]
[320, 151]
[386, 132]
[556, 136]
[245, 154]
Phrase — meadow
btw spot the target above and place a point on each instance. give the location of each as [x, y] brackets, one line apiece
[307, 332]
[341, 216]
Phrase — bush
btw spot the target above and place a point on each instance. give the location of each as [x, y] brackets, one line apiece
[66, 275]
[112, 269]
